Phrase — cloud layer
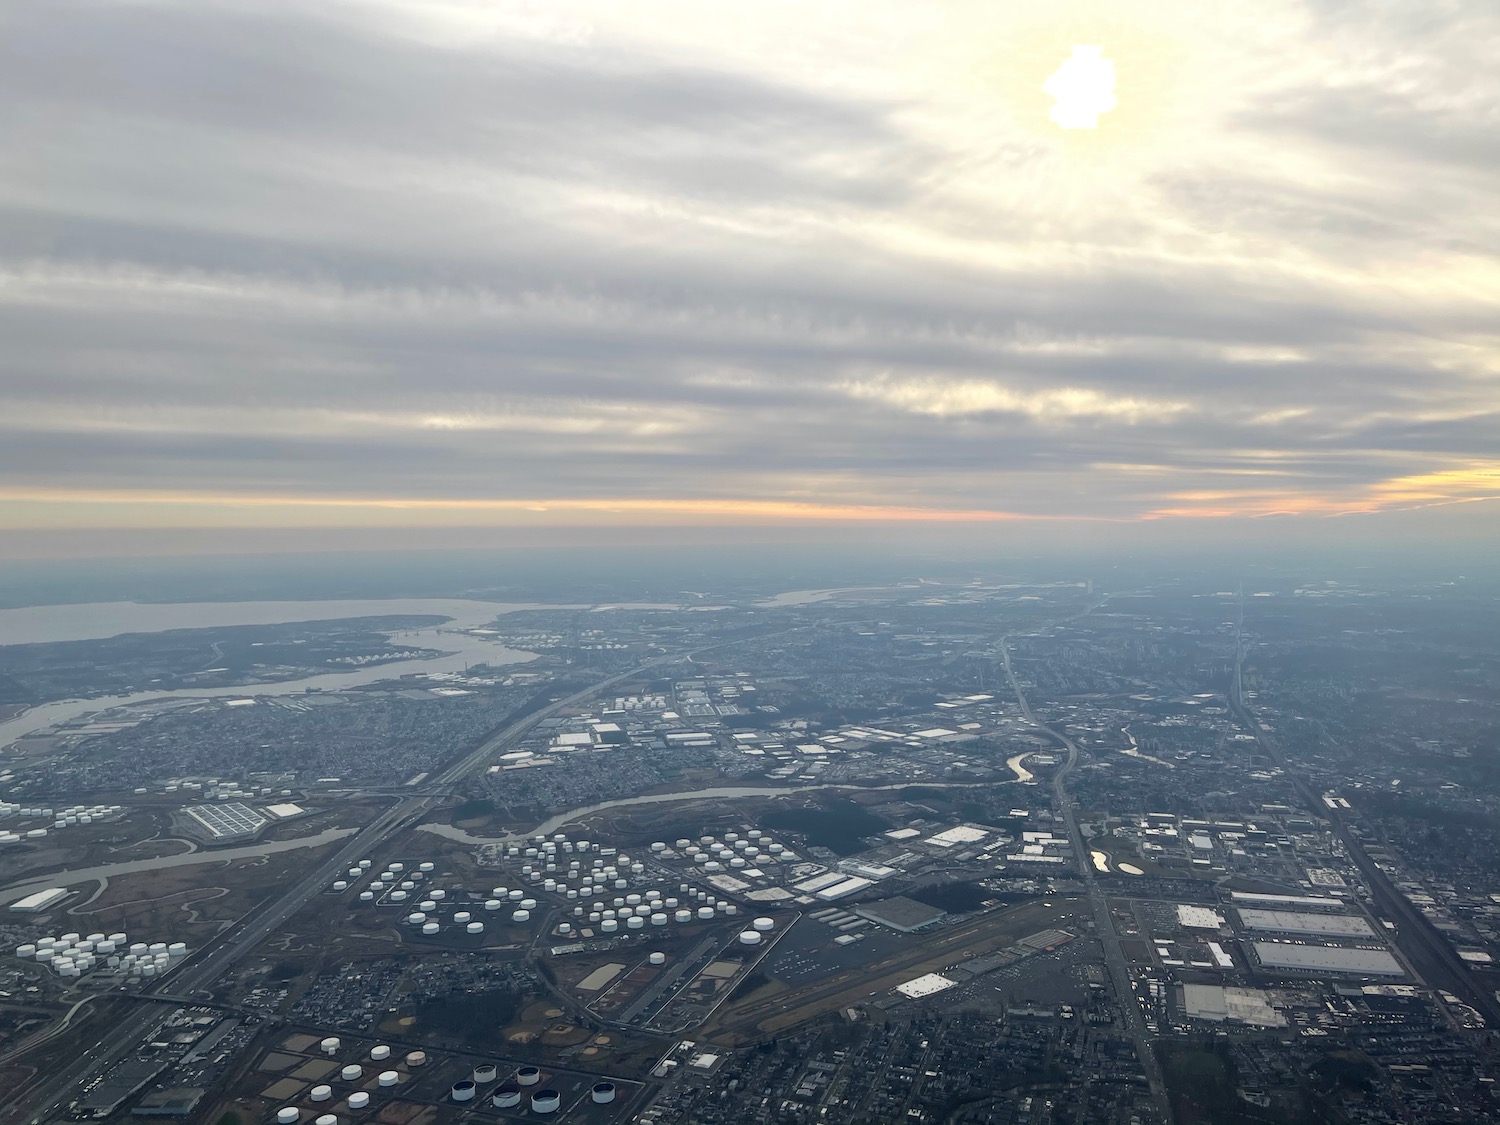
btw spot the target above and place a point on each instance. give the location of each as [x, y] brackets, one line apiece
[678, 262]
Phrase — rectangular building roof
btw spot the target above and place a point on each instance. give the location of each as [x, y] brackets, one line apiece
[225, 822]
[40, 900]
[1198, 918]
[1326, 959]
[1290, 922]
[1286, 902]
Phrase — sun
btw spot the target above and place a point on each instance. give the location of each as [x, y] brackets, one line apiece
[1082, 88]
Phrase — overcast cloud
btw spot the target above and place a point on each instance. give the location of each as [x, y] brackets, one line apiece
[692, 260]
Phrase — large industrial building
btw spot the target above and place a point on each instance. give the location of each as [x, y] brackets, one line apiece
[903, 914]
[232, 821]
[1305, 925]
[1306, 903]
[41, 900]
[1327, 960]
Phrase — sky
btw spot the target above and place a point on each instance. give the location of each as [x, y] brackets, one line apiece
[413, 265]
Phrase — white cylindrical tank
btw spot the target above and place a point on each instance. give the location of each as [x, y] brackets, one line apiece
[340, 885]
[492, 904]
[507, 1096]
[366, 896]
[26, 951]
[609, 925]
[683, 916]
[430, 928]
[602, 1092]
[462, 1091]
[287, 1115]
[416, 918]
[658, 919]
[545, 1101]
[529, 1075]
[326, 1119]
[658, 958]
[485, 1073]
[351, 1073]
[764, 925]
[635, 923]
[520, 916]
[415, 1059]
[388, 1078]
[463, 916]
[320, 1093]
[398, 896]
[475, 927]
[705, 913]
[359, 1100]
[380, 1051]
[750, 937]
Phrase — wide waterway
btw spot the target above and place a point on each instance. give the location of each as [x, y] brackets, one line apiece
[78, 875]
[39, 624]
[552, 824]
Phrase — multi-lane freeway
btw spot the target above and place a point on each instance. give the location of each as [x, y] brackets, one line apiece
[42, 1100]
[1104, 923]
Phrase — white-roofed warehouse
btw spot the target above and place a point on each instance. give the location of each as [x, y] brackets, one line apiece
[1328, 960]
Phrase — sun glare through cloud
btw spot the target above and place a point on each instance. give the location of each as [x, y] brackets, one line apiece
[1082, 88]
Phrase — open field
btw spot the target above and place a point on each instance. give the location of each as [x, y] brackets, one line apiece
[777, 1007]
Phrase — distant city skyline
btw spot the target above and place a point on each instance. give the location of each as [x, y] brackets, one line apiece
[536, 269]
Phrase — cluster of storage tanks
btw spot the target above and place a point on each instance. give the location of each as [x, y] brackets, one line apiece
[324, 1093]
[396, 884]
[595, 878]
[757, 931]
[72, 955]
[733, 853]
[523, 1085]
[61, 818]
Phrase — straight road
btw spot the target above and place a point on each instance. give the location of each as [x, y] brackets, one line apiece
[1104, 923]
[213, 960]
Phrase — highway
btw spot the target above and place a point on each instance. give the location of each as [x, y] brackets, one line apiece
[1104, 923]
[208, 964]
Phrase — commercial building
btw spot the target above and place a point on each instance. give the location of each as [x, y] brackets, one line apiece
[1288, 902]
[903, 914]
[1326, 960]
[41, 900]
[1198, 918]
[1306, 925]
[232, 821]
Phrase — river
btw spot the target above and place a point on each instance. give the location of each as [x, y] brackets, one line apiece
[77, 875]
[552, 824]
[38, 624]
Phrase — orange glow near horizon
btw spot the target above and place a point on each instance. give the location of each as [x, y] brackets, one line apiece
[97, 508]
